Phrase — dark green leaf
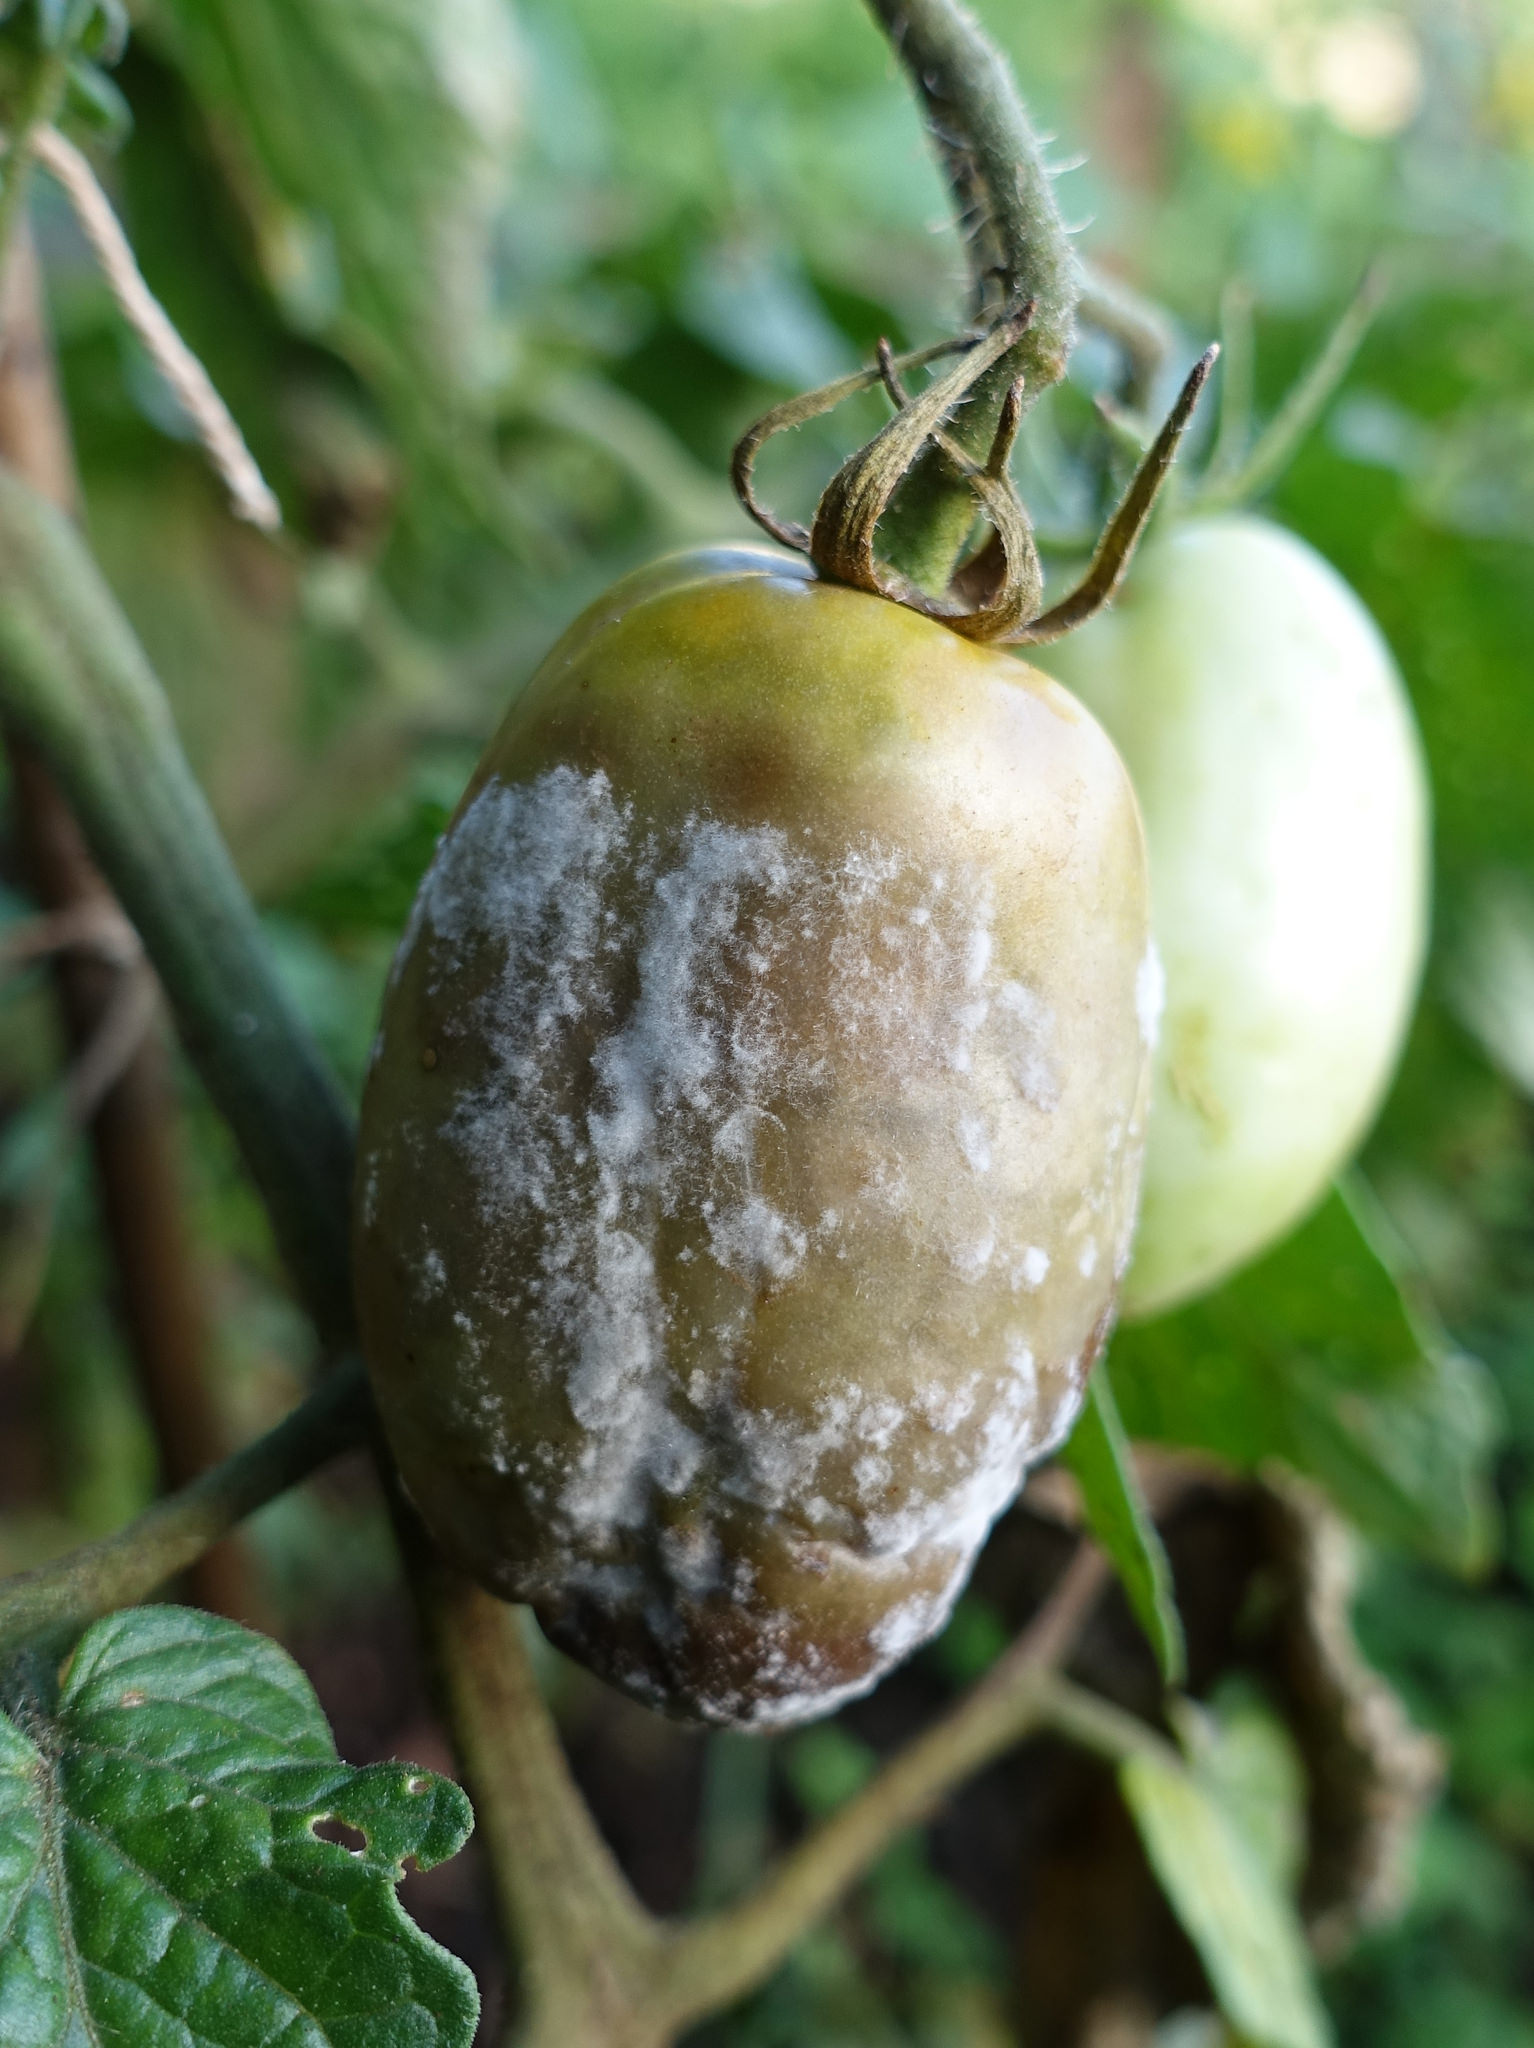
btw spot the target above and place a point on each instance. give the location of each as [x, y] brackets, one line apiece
[1313, 1356]
[161, 1880]
[1098, 1454]
[1245, 1930]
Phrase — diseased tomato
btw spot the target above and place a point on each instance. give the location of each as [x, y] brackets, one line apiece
[753, 1138]
[1273, 750]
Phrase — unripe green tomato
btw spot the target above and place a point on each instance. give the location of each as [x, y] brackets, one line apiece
[752, 1142]
[1273, 749]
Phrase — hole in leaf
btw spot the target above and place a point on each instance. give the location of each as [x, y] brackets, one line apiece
[326, 1827]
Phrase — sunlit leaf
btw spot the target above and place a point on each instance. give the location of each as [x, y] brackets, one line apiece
[1098, 1454]
[1246, 1932]
[1313, 1356]
[163, 1876]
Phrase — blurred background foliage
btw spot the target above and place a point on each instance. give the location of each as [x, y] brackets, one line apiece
[491, 289]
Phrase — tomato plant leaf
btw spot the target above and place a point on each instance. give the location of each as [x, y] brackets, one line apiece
[163, 1874]
[1314, 1355]
[1099, 1456]
[372, 139]
[1215, 1879]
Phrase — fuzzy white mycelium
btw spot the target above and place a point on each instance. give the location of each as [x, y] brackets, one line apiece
[720, 1076]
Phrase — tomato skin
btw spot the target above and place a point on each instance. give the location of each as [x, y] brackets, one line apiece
[1286, 809]
[753, 1139]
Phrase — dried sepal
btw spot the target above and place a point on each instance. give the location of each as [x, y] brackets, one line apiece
[1122, 535]
[842, 541]
[995, 596]
[795, 412]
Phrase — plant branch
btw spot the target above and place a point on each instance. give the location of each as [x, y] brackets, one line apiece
[589, 1952]
[720, 1958]
[1096, 1724]
[75, 681]
[62, 1597]
[1017, 248]
[140, 1185]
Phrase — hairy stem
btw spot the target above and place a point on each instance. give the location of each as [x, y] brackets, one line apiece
[60, 1598]
[1017, 248]
[75, 682]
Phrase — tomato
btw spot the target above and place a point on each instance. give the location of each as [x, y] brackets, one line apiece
[753, 1138]
[1270, 740]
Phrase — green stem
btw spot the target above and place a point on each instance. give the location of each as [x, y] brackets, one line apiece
[60, 1598]
[719, 1958]
[589, 1952]
[1016, 244]
[1095, 1724]
[74, 679]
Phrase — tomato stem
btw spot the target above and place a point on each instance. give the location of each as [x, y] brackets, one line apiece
[1017, 247]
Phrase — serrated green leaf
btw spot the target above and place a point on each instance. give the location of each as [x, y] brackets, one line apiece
[161, 1880]
[1098, 1453]
[374, 136]
[1313, 1356]
[1244, 1929]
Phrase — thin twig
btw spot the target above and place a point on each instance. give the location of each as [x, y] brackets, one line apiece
[95, 926]
[42, 95]
[1093, 1723]
[96, 1070]
[119, 1034]
[250, 495]
[63, 1596]
[720, 1958]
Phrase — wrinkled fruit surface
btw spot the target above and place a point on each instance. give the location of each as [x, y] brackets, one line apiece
[1273, 749]
[751, 1148]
